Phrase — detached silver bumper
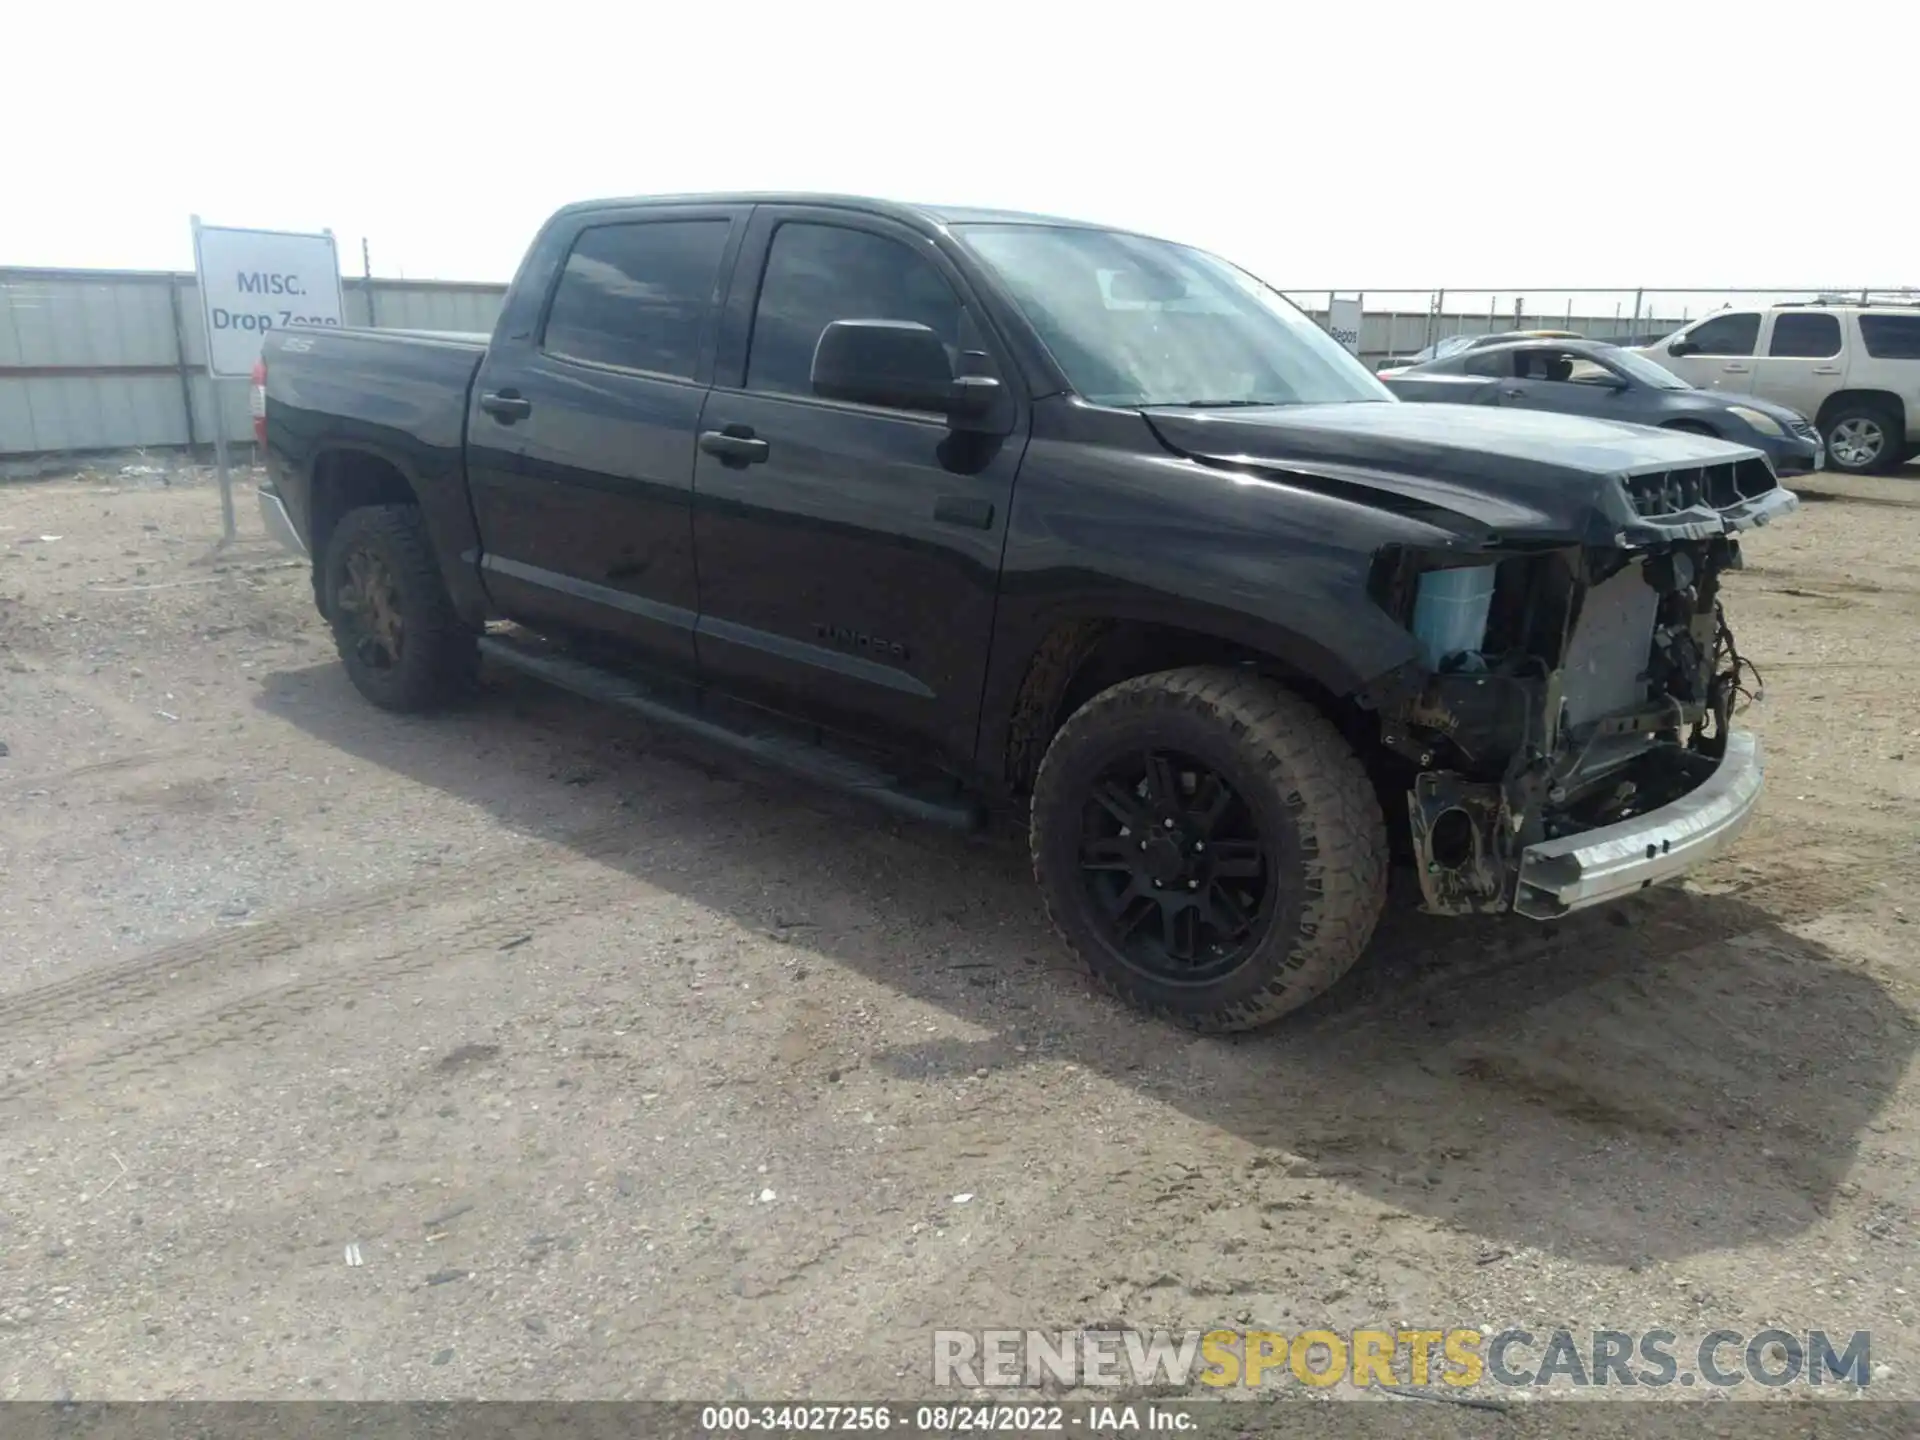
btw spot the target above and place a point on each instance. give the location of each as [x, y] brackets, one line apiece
[279, 525]
[1558, 877]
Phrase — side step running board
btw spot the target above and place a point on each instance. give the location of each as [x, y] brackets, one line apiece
[790, 753]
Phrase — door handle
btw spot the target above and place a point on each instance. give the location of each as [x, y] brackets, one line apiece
[1738, 367]
[734, 446]
[963, 510]
[506, 406]
[1826, 369]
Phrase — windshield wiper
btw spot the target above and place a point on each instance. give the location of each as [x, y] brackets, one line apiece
[1210, 404]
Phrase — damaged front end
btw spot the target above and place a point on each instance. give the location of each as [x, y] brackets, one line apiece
[1570, 724]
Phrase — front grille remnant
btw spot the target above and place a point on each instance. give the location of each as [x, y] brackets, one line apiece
[1710, 487]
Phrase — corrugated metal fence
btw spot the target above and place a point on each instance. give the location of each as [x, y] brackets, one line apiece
[101, 360]
[104, 360]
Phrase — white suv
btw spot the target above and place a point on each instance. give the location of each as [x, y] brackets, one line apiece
[1853, 370]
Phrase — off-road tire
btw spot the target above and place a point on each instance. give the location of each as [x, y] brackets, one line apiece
[1893, 448]
[439, 655]
[1284, 756]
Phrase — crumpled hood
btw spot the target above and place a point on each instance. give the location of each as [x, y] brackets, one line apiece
[1523, 474]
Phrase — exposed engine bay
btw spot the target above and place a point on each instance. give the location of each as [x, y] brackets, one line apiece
[1567, 688]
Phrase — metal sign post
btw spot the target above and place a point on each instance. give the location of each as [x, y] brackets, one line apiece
[228, 530]
[253, 281]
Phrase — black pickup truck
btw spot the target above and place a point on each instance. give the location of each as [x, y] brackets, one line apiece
[973, 512]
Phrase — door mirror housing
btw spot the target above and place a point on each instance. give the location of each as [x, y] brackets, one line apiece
[893, 363]
[974, 402]
[1683, 347]
[902, 365]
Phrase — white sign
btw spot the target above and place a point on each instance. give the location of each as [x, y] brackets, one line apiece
[253, 281]
[1343, 322]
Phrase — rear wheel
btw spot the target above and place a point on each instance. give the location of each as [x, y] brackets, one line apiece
[403, 646]
[1207, 842]
[1863, 438]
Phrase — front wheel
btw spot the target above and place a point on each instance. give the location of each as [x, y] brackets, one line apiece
[1209, 844]
[403, 645]
[1862, 439]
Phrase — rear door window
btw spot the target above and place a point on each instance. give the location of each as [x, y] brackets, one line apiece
[1726, 335]
[1891, 337]
[638, 296]
[1805, 337]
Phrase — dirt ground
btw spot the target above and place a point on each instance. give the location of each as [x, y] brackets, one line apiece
[624, 1069]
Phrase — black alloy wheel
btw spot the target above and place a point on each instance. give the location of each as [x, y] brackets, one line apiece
[1209, 844]
[1175, 866]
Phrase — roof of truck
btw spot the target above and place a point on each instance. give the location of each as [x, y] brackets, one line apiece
[899, 209]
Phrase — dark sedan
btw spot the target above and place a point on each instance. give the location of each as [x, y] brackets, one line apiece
[1589, 377]
[1454, 345]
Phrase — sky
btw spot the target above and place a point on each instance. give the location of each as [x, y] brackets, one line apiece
[1363, 146]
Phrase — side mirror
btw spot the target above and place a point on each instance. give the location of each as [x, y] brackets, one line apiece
[895, 363]
[901, 365]
[1683, 347]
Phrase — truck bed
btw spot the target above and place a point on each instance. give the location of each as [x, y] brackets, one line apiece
[396, 395]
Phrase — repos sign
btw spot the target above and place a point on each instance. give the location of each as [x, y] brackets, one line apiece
[1343, 322]
[253, 281]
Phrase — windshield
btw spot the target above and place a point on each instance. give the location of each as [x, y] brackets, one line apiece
[1647, 372]
[1135, 322]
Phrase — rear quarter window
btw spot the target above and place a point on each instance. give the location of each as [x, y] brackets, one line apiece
[1891, 337]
